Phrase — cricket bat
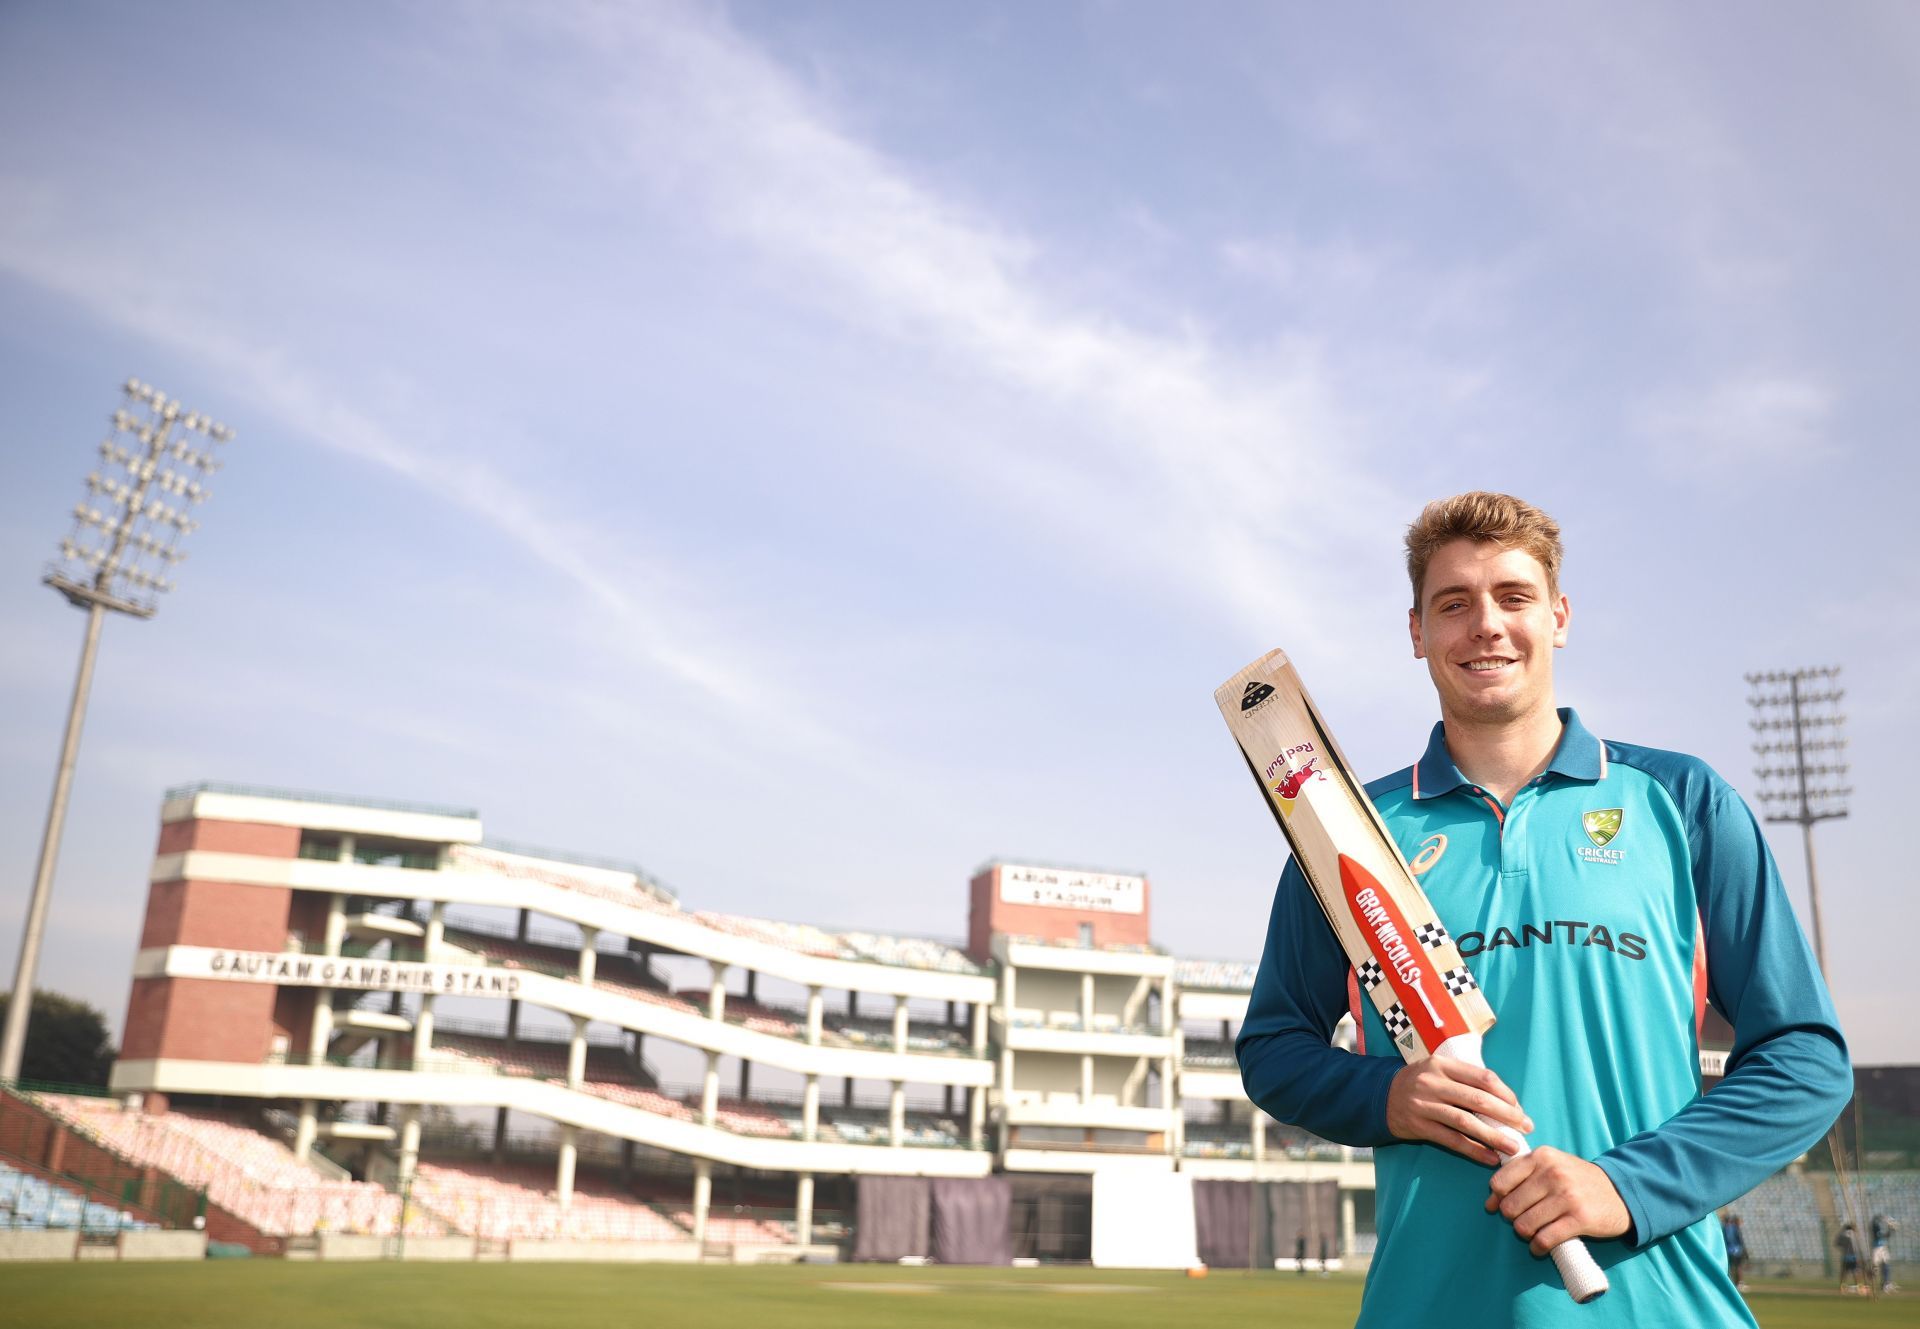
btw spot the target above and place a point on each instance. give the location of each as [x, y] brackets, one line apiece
[1401, 952]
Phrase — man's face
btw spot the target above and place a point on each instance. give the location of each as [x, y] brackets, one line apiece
[1487, 628]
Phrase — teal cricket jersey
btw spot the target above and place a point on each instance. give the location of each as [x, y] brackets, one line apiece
[1622, 888]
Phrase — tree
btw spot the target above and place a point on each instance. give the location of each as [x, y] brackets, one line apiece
[67, 1040]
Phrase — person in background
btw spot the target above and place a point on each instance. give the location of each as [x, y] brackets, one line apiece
[1300, 1251]
[1881, 1230]
[1848, 1243]
[1736, 1251]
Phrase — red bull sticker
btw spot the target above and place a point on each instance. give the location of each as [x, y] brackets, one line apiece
[1289, 773]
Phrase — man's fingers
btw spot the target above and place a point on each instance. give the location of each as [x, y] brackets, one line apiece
[1551, 1197]
[1480, 1091]
[1512, 1173]
[1467, 1147]
[1478, 1128]
[1457, 1106]
[1484, 1079]
[1494, 1109]
[1560, 1230]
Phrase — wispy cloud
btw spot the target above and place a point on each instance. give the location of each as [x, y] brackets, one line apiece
[1224, 443]
[1758, 419]
[272, 390]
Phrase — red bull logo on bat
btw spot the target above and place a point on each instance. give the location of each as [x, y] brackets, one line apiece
[1298, 768]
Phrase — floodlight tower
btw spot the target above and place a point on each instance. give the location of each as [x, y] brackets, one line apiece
[126, 535]
[1797, 713]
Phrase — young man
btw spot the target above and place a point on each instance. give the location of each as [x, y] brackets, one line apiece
[1600, 892]
[1881, 1231]
[1736, 1239]
[1848, 1243]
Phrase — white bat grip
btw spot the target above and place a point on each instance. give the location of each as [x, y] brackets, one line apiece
[1584, 1278]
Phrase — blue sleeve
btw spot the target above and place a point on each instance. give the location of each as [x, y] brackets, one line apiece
[1287, 1063]
[1788, 1075]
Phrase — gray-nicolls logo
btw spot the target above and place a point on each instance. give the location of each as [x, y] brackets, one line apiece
[1254, 695]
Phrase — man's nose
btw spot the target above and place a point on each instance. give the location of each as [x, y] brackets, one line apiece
[1486, 623]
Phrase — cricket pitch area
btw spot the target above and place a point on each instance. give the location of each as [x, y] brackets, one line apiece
[245, 1294]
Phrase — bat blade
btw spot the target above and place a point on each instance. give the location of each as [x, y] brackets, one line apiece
[1400, 950]
[1409, 965]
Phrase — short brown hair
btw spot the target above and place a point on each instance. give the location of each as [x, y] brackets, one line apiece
[1484, 517]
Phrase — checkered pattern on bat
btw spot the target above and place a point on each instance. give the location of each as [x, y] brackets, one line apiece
[1459, 980]
[1396, 1021]
[1432, 935]
[1370, 973]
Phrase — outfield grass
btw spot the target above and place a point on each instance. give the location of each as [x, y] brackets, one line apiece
[280, 1295]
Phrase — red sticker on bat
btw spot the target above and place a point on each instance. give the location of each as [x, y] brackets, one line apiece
[1403, 961]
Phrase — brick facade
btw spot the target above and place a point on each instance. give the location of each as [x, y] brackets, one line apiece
[201, 1019]
[988, 914]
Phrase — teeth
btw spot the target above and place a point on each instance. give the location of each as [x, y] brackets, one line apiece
[1483, 666]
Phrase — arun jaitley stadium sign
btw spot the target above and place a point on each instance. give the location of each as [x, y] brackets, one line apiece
[1069, 888]
[324, 971]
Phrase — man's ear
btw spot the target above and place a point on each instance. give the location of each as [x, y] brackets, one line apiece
[1413, 630]
[1562, 617]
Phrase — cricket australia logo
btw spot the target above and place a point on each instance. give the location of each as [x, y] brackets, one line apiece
[1601, 826]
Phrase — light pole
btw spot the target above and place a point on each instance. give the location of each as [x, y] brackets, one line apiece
[126, 535]
[1797, 724]
[1797, 713]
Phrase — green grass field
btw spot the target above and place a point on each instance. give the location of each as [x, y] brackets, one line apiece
[249, 1294]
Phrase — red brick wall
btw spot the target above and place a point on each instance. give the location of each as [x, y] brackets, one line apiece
[216, 913]
[988, 914]
[307, 915]
[293, 1016]
[198, 1019]
[230, 837]
[146, 1019]
[204, 1019]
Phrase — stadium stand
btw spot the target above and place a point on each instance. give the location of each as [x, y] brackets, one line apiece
[509, 1201]
[801, 937]
[1210, 1140]
[848, 1031]
[909, 952]
[640, 894]
[1781, 1218]
[1215, 975]
[32, 1202]
[1210, 1053]
[431, 922]
[251, 1174]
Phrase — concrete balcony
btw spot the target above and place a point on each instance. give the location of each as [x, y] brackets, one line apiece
[1073, 1038]
[544, 1098]
[1096, 1115]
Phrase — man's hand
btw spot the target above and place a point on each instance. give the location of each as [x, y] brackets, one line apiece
[1436, 1100]
[1551, 1197]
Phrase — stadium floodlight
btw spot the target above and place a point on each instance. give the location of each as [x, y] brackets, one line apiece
[125, 543]
[1798, 735]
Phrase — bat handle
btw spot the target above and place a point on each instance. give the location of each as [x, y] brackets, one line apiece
[1583, 1276]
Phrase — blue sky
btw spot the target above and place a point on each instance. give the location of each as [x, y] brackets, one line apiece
[808, 450]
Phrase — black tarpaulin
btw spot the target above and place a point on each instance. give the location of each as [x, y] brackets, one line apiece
[972, 1220]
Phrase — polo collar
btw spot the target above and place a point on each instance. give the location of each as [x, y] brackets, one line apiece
[1580, 756]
